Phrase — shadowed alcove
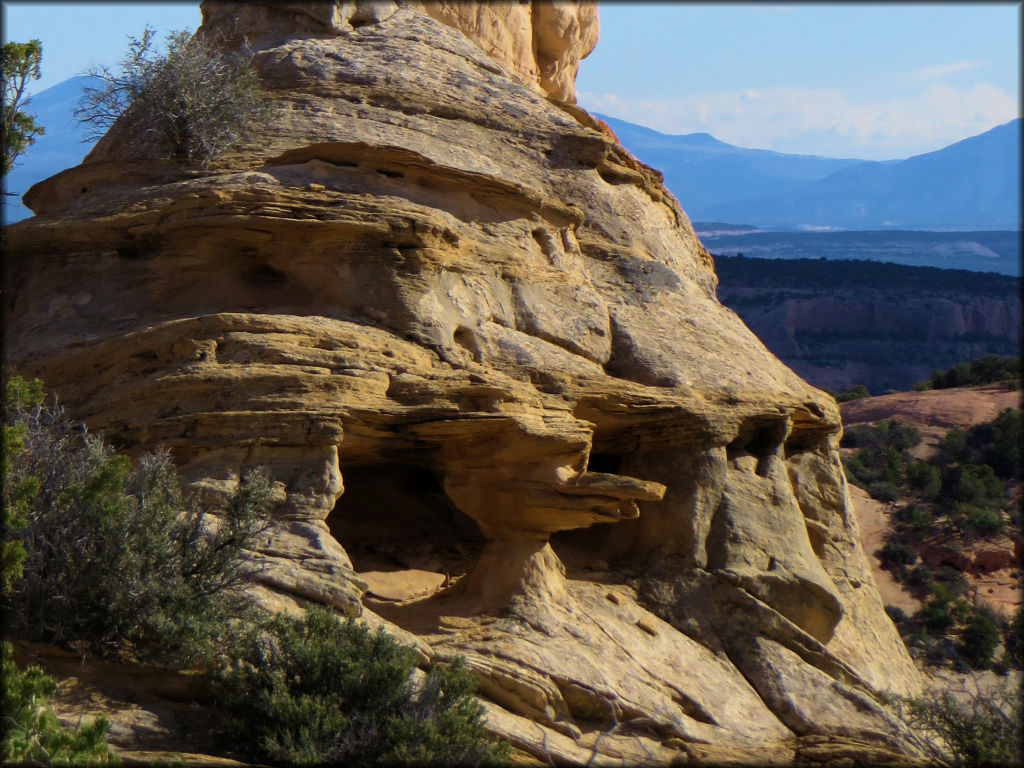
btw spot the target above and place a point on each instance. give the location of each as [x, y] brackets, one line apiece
[395, 517]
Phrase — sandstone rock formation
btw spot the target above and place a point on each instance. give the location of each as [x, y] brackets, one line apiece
[470, 335]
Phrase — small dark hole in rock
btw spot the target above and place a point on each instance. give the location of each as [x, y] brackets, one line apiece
[466, 339]
[264, 274]
[608, 463]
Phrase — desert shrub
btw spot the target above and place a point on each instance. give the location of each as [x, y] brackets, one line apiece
[188, 104]
[974, 484]
[115, 555]
[858, 436]
[980, 638]
[924, 479]
[1014, 640]
[882, 462]
[895, 553]
[920, 577]
[936, 615]
[903, 437]
[984, 521]
[943, 591]
[921, 518]
[319, 690]
[980, 729]
[1002, 450]
[17, 494]
[952, 447]
[29, 731]
[950, 583]
[987, 370]
[897, 614]
[855, 393]
[884, 491]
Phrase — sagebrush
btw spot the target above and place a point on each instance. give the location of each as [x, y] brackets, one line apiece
[113, 555]
[188, 104]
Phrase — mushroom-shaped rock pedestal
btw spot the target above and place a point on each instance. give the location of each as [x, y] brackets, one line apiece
[519, 520]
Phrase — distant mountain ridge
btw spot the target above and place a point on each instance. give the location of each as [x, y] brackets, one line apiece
[59, 148]
[973, 184]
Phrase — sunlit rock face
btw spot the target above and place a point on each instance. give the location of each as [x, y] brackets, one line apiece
[477, 346]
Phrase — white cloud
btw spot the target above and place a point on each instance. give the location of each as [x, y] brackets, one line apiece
[942, 70]
[822, 122]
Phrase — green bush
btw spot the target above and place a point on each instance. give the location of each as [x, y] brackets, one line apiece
[984, 521]
[319, 690]
[921, 518]
[952, 447]
[980, 638]
[29, 731]
[988, 370]
[856, 393]
[974, 484]
[895, 553]
[1002, 450]
[115, 556]
[950, 583]
[924, 479]
[920, 577]
[1014, 640]
[897, 614]
[936, 616]
[17, 494]
[883, 491]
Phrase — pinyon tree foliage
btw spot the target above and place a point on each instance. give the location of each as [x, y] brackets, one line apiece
[19, 63]
[188, 104]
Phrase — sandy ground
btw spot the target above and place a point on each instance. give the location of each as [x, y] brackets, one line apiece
[874, 518]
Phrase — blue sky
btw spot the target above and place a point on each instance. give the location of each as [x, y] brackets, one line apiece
[843, 80]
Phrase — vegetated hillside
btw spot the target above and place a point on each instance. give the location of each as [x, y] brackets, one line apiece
[938, 476]
[843, 323]
[59, 148]
[972, 184]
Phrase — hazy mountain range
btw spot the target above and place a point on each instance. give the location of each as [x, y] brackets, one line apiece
[59, 148]
[973, 184]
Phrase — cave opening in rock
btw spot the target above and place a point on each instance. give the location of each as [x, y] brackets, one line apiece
[394, 517]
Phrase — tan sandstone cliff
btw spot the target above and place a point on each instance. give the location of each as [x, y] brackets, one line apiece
[478, 346]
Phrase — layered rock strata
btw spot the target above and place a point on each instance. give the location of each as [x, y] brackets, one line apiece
[478, 348]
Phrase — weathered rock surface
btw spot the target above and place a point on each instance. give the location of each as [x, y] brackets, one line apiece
[468, 334]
